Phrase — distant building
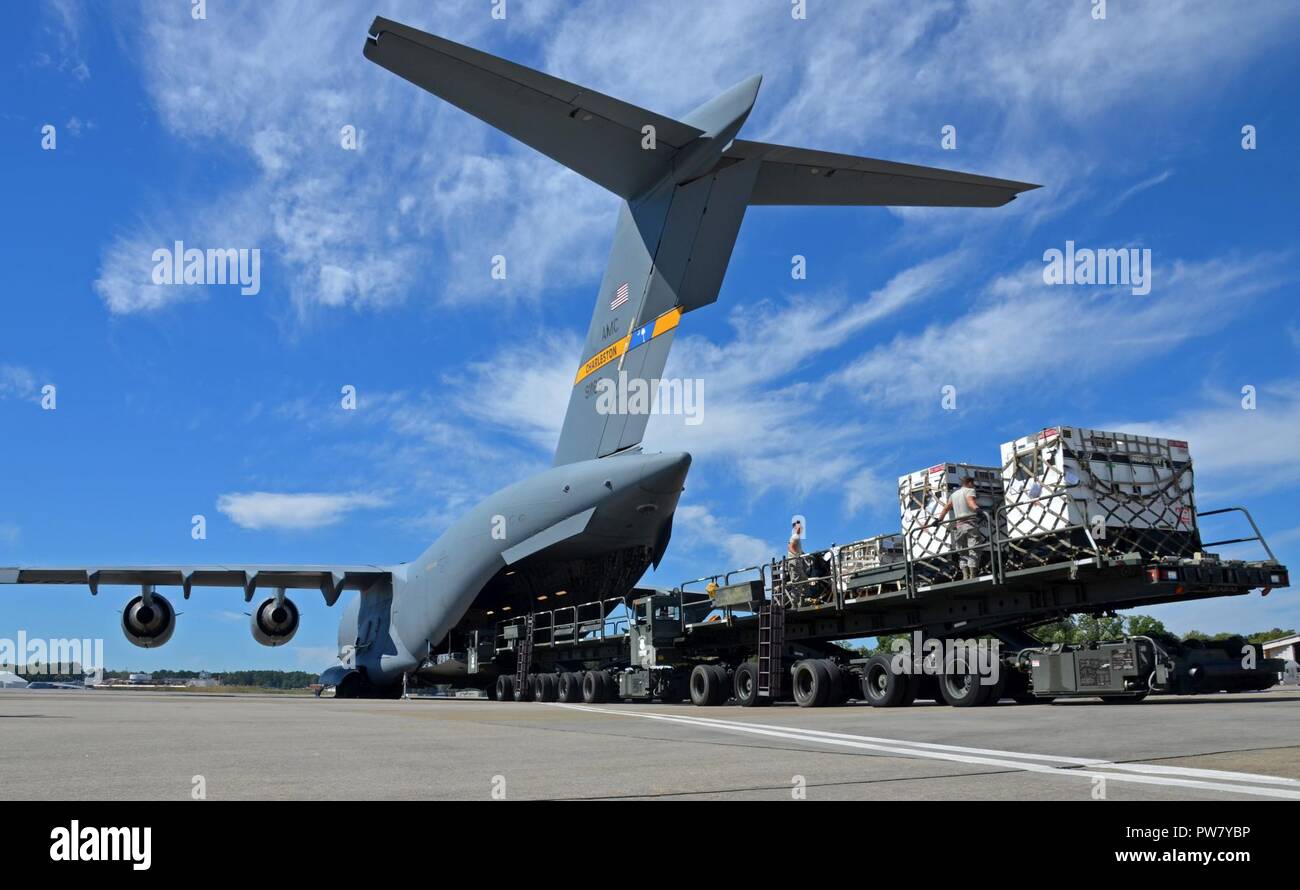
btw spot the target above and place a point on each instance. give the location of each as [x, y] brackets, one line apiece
[1286, 648]
[141, 677]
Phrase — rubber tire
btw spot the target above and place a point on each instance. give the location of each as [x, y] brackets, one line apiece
[837, 694]
[593, 687]
[1123, 699]
[971, 695]
[548, 688]
[569, 689]
[505, 688]
[811, 683]
[491, 692]
[724, 685]
[898, 689]
[997, 690]
[524, 691]
[744, 684]
[704, 685]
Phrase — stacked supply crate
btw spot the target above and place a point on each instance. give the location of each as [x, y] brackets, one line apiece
[861, 557]
[921, 497]
[870, 553]
[1074, 488]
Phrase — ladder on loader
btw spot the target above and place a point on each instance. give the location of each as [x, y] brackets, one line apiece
[771, 646]
[524, 659]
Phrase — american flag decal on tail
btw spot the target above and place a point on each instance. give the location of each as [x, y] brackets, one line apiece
[620, 297]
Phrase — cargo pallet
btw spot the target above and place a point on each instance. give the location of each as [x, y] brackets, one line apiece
[768, 632]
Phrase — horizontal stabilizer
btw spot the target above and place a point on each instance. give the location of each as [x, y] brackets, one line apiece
[596, 135]
[802, 176]
[685, 195]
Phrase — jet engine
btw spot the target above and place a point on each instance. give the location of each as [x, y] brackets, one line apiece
[149, 620]
[275, 621]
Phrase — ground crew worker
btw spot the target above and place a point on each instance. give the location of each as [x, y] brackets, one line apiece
[966, 532]
[795, 547]
[798, 569]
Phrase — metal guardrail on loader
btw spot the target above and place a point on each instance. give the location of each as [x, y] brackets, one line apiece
[768, 632]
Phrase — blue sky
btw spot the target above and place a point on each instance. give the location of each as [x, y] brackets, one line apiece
[176, 401]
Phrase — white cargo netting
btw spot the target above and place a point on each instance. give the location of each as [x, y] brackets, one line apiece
[1069, 488]
[932, 546]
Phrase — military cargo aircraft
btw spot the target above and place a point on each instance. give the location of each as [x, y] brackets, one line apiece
[591, 525]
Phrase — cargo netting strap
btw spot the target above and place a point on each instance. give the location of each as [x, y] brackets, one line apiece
[1152, 518]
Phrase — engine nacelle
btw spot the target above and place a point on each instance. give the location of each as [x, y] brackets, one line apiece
[275, 621]
[150, 624]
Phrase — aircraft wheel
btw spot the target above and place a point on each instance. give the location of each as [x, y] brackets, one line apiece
[594, 687]
[745, 686]
[812, 683]
[505, 687]
[882, 688]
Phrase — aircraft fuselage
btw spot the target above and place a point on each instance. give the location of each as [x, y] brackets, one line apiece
[593, 522]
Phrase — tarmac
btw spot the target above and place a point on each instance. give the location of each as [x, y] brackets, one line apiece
[110, 745]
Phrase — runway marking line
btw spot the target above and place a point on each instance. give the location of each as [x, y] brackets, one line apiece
[1133, 773]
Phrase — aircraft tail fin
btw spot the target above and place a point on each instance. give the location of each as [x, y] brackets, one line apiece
[596, 135]
[685, 186]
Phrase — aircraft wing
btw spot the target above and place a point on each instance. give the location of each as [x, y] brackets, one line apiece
[596, 135]
[802, 176]
[331, 581]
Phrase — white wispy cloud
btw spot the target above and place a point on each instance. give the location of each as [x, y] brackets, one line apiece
[431, 189]
[17, 383]
[65, 21]
[698, 527]
[1236, 450]
[1021, 323]
[260, 510]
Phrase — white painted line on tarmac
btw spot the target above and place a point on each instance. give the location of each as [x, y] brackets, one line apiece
[1138, 774]
[1150, 768]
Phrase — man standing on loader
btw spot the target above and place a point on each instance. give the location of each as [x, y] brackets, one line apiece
[965, 528]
